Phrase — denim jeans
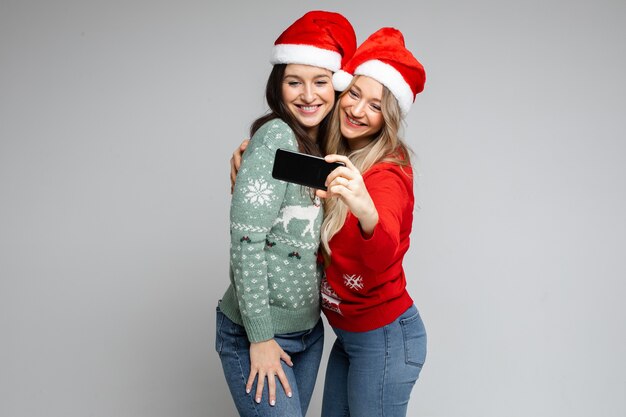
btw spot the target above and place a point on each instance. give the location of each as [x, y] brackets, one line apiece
[305, 349]
[372, 373]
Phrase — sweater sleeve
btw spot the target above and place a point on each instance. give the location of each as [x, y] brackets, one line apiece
[390, 196]
[255, 205]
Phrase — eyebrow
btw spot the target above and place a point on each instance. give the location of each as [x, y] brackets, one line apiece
[356, 87]
[314, 77]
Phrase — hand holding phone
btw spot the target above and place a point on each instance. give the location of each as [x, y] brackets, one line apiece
[303, 169]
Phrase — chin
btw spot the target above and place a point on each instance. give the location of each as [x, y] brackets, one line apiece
[310, 124]
[348, 134]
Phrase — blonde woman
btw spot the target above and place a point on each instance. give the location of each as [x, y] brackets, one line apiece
[381, 341]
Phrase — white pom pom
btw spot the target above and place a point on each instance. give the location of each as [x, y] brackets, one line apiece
[341, 80]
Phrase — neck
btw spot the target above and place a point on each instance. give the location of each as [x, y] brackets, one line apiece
[357, 143]
[312, 131]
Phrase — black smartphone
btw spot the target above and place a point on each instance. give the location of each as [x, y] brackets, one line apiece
[303, 169]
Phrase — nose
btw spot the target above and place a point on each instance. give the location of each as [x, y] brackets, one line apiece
[358, 109]
[307, 94]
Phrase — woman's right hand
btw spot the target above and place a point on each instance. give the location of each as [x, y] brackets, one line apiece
[347, 184]
[235, 162]
[265, 360]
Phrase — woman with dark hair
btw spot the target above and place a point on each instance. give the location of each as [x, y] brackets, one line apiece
[270, 313]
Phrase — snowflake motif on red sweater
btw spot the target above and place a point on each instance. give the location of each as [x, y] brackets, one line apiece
[354, 282]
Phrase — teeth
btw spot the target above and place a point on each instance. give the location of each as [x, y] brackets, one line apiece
[354, 122]
[308, 108]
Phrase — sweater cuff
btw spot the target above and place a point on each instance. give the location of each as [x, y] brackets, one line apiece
[258, 329]
[377, 250]
[373, 243]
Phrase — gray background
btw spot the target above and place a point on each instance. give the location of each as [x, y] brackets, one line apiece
[117, 120]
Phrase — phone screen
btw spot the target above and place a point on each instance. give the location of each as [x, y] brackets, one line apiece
[303, 169]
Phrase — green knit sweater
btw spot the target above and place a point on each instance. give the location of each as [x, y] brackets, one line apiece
[274, 238]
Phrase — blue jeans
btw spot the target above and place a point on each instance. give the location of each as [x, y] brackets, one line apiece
[372, 373]
[305, 349]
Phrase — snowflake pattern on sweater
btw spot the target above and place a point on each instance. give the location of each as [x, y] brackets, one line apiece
[260, 193]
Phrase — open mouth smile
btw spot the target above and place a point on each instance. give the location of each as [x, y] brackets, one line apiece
[308, 109]
[353, 122]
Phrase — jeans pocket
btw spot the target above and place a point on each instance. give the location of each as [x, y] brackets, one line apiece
[414, 335]
[219, 321]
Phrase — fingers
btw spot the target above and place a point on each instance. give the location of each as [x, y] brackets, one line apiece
[339, 182]
[341, 172]
[233, 175]
[348, 172]
[282, 377]
[265, 360]
[235, 162]
[322, 193]
[342, 181]
[259, 388]
[340, 158]
[250, 381]
[338, 190]
[271, 385]
[286, 358]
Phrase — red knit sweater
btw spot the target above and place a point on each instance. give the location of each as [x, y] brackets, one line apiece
[365, 286]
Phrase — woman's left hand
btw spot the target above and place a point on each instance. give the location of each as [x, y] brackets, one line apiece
[235, 162]
[347, 184]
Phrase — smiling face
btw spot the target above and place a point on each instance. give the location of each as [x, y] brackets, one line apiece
[308, 94]
[360, 112]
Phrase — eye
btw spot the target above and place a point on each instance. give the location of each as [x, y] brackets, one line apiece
[293, 83]
[375, 107]
[353, 94]
[321, 83]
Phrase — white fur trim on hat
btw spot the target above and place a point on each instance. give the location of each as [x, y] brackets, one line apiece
[390, 78]
[341, 80]
[305, 55]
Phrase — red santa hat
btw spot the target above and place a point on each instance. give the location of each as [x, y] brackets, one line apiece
[384, 58]
[319, 38]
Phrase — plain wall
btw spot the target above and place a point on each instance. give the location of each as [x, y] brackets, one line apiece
[117, 121]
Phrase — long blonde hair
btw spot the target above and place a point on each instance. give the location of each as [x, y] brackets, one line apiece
[387, 146]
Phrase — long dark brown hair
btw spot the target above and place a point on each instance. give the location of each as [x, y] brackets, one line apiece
[278, 110]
